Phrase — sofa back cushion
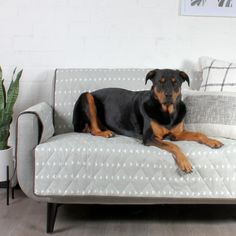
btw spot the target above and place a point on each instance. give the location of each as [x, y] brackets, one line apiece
[70, 83]
[212, 113]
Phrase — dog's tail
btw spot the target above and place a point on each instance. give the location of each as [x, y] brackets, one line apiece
[80, 117]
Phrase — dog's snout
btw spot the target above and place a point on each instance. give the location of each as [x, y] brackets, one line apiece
[168, 98]
[168, 95]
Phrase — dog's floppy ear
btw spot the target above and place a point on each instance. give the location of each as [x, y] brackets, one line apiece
[150, 75]
[184, 76]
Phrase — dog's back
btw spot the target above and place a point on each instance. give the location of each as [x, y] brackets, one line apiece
[117, 109]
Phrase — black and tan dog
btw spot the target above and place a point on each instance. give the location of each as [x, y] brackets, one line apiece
[151, 115]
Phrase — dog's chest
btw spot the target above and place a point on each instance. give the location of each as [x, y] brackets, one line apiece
[162, 132]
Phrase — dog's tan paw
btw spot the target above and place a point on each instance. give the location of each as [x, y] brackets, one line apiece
[184, 164]
[107, 134]
[104, 134]
[214, 143]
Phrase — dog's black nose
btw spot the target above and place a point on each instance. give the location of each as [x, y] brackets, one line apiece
[168, 95]
[168, 98]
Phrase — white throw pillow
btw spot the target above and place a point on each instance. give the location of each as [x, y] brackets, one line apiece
[217, 75]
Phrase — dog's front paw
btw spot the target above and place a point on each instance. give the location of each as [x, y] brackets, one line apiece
[108, 134]
[184, 164]
[104, 134]
[214, 143]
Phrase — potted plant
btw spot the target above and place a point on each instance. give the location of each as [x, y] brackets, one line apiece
[7, 101]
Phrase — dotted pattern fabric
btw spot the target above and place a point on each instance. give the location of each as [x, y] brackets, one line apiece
[75, 164]
[70, 83]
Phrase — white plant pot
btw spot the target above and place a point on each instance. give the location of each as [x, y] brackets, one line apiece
[6, 159]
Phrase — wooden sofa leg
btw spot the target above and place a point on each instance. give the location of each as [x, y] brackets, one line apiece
[51, 216]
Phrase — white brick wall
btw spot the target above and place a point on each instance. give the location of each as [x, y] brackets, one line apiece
[42, 35]
[107, 33]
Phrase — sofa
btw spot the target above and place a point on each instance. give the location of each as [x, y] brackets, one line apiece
[57, 166]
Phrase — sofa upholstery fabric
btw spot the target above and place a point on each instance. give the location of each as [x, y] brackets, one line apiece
[212, 113]
[44, 113]
[80, 168]
[81, 164]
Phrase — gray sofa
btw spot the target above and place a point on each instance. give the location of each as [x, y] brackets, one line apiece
[57, 166]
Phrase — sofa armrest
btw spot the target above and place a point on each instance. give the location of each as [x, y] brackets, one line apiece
[34, 125]
[44, 113]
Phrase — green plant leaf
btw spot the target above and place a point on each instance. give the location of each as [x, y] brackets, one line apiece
[10, 87]
[2, 92]
[2, 97]
[4, 134]
[14, 71]
[7, 102]
[1, 118]
[13, 93]
[12, 81]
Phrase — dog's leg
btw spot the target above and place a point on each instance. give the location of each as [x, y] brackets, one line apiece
[180, 158]
[94, 122]
[198, 137]
[179, 133]
[153, 136]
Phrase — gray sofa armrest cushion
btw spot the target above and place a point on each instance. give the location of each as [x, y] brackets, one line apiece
[34, 125]
[44, 112]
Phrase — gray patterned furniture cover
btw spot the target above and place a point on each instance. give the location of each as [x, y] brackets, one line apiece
[80, 168]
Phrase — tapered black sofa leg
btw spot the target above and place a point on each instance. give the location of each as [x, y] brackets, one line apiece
[51, 216]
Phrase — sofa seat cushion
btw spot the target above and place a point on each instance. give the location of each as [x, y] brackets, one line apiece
[76, 164]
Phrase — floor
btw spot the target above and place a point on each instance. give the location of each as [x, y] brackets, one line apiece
[25, 217]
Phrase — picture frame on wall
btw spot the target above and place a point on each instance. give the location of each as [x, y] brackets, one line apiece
[225, 8]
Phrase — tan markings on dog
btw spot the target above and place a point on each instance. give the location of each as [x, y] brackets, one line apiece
[164, 107]
[167, 108]
[175, 95]
[198, 137]
[159, 132]
[173, 80]
[94, 127]
[159, 95]
[162, 80]
[178, 129]
[171, 108]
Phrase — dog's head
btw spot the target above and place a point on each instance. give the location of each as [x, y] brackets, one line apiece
[167, 86]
